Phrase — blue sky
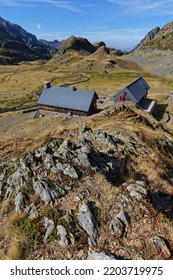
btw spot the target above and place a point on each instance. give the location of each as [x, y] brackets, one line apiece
[119, 23]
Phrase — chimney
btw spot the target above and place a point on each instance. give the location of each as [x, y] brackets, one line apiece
[47, 84]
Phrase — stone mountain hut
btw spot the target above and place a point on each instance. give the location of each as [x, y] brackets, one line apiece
[71, 101]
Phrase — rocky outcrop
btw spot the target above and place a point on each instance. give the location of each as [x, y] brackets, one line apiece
[49, 227]
[120, 224]
[100, 256]
[19, 202]
[32, 212]
[88, 223]
[137, 190]
[84, 199]
[155, 51]
[150, 36]
[78, 44]
[67, 158]
[62, 235]
[47, 190]
[99, 44]
[117, 228]
[161, 246]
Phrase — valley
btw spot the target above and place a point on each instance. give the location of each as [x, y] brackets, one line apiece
[22, 83]
[92, 187]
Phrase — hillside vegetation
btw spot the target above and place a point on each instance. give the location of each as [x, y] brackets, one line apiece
[113, 169]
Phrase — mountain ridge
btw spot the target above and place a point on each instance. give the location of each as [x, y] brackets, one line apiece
[156, 54]
[18, 45]
[55, 44]
[150, 36]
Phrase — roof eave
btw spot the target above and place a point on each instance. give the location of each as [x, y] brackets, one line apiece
[41, 104]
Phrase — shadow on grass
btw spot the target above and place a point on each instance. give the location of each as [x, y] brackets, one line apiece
[160, 111]
[163, 203]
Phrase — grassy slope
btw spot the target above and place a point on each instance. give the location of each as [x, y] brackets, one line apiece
[21, 83]
[146, 159]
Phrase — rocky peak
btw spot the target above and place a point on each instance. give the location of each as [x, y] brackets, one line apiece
[99, 44]
[156, 50]
[16, 30]
[150, 36]
[78, 44]
[51, 44]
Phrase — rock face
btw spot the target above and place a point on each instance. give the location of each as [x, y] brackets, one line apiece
[17, 44]
[117, 228]
[100, 256]
[49, 227]
[156, 50]
[150, 36]
[88, 223]
[161, 246]
[47, 191]
[78, 44]
[62, 234]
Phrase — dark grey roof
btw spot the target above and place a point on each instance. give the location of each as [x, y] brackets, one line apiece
[67, 98]
[138, 88]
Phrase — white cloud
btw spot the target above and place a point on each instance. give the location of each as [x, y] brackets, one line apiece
[76, 7]
[8, 3]
[39, 26]
[161, 7]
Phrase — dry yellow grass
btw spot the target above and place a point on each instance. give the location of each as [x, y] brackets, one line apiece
[19, 134]
[21, 83]
[104, 188]
[15, 248]
[15, 242]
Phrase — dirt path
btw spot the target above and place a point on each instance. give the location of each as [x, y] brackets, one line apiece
[77, 82]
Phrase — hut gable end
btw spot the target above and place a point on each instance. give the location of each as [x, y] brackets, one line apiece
[137, 92]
